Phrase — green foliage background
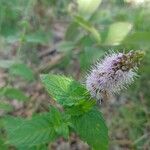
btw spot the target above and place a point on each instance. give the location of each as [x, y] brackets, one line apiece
[79, 33]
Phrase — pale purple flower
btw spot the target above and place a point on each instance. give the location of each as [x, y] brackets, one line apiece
[114, 73]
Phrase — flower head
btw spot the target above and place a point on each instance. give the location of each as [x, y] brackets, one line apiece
[113, 73]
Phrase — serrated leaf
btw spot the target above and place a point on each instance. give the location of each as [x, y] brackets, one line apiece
[64, 130]
[87, 7]
[80, 109]
[64, 90]
[92, 129]
[22, 70]
[88, 27]
[117, 32]
[13, 93]
[28, 133]
[60, 123]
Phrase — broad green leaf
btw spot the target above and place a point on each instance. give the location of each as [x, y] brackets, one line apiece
[39, 37]
[86, 40]
[87, 7]
[65, 91]
[117, 32]
[88, 27]
[92, 129]
[40, 129]
[13, 93]
[73, 33]
[28, 133]
[65, 46]
[22, 70]
[5, 107]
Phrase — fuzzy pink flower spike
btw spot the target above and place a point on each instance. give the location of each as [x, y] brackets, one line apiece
[114, 73]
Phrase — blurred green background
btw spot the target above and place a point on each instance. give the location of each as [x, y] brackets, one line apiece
[67, 37]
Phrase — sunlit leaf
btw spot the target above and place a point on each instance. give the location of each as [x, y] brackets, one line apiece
[117, 32]
[65, 91]
[87, 7]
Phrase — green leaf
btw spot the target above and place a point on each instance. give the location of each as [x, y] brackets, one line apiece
[88, 27]
[89, 56]
[6, 107]
[65, 46]
[39, 37]
[117, 32]
[138, 38]
[60, 122]
[92, 129]
[3, 146]
[87, 7]
[37, 147]
[64, 90]
[22, 70]
[13, 93]
[40, 129]
[86, 40]
[73, 33]
[81, 108]
[28, 133]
